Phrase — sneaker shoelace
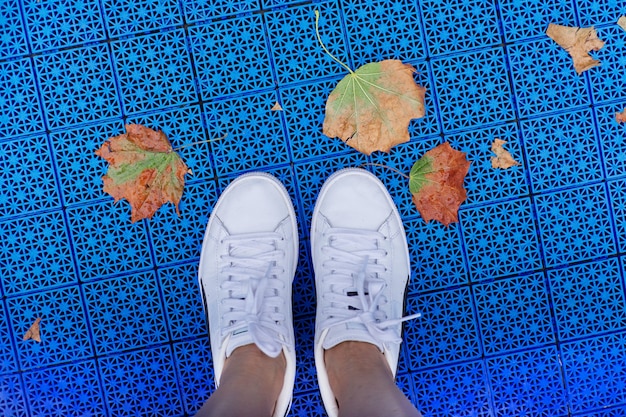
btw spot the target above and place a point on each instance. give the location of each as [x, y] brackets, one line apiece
[354, 287]
[253, 294]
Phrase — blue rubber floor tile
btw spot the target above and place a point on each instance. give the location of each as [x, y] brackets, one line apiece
[186, 132]
[27, 181]
[436, 255]
[64, 332]
[125, 312]
[307, 404]
[614, 412]
[177, 238]
[595, 370]
[473, 89]
[528, 384]
[182, 301]
[77, 86]
[125, 17]
[54, 24]
[12, 398]
[522, 19]
[304, 108]
[8, 362]
[311, 177]
[500, 239]
[562, 150]
[484, 183]
[13, 37]
[612, 137]
[105, 241]
[383, 29]
[79, 170]
[597, 12]
[514, 313]
[617, 193]
[459, 26]
[453, 391]
[231, 56]
[198, 10]
[195, 368]
[544, 79]
[401, 158]
[297, 54]
[34, 254]
[608, 79]
[67, 390]
[141, 383]
[575, 225]
[428, 125]
[304, 297]
[588, 298]
[154, 71]
[306, 374]
[446, 332]
[19, 101]
[255, 136]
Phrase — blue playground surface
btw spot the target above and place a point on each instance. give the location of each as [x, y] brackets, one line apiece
[523, 300]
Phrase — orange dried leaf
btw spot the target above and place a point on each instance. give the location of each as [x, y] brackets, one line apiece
[577, 42]
[370, 109]
[436, 182]
[143, 169]
[277, 107]
[34, 332]
[503, 158]
[621, 117]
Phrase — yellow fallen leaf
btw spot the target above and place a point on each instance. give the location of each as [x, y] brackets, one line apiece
[621, 22]
[621, 117]
[277, 107]
[577, 42]
[33, 331]
[503, 158]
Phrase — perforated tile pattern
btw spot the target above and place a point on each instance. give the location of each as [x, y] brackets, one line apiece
[523, 301]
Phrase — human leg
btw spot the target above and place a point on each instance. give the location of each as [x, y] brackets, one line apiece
[361, 262]
[247, 265]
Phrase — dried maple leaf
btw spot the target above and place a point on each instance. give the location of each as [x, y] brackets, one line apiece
[503, 158]
[577, 42]
[436, 182]
[621, 22]
[277, 107]
[370, 109]
[33, 331]
[621, 117]
[143, 169]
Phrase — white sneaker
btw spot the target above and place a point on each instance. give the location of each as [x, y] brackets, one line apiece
[361, 262]
[247, 265]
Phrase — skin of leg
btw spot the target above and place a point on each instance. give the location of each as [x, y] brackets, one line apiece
[249, 386]
[363, 384]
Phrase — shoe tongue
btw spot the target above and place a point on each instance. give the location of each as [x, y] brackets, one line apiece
[238, 339]
[349, 332]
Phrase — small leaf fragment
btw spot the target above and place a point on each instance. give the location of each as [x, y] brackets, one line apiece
[621, 22]
[34, 332]
[277, 107]
[370, 109]
[143, 169]
[503, 158]
[577, 42]
[436, 183]
[621, 117]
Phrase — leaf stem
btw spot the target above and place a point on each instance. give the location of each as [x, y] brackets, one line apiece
[385, 166]
[201, 141]
[319, 39]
